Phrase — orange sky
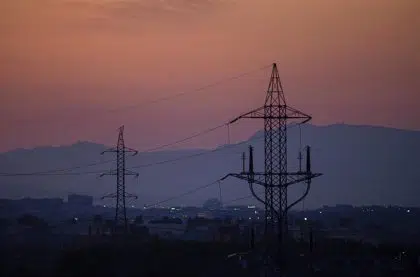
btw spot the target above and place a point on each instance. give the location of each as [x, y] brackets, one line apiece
[355, 61]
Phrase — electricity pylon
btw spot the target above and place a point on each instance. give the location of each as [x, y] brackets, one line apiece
[120, 220]
[276, 179]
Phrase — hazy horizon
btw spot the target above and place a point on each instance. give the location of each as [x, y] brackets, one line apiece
[355, 161]
[176, 147]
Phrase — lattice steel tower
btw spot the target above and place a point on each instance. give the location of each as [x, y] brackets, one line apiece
[275, 179]
[120, 220]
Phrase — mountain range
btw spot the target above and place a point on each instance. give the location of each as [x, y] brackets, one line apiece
[361, 165]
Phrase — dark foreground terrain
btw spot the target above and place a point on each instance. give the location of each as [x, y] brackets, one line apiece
[118, 258]
[133, 257]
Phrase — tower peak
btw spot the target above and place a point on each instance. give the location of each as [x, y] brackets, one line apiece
[275, 95]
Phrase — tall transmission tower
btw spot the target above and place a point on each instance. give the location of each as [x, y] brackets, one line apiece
[276, 179]
[120, 220]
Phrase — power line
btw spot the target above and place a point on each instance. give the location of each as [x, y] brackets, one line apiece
[155, 101]
[196, 154]
[240, 198]
[53, 171]
[56, 172]
[243, 198]
[207, 185]
[47, 172]
[169, 97]
[203, 153]
[183, 194]
[192, 191]
[186, 139]
[138, 166]
[133, 167]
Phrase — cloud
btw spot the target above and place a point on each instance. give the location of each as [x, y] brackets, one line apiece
[69, 16]
[138, 8]
[125, 16]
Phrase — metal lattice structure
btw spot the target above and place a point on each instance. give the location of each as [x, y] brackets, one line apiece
[120, 220]
[276, 178]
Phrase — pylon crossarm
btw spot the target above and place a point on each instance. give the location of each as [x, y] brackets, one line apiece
[110, 172]
[251, 181]
[289, 114]
[289, 174]
[244, 177]
[130, 195]
[308, 187]
[110, 195]
[292, 113]
[257, 113]
[131, 150]
[225, 177]
[294, 178]
[112, 150]
[251, 187]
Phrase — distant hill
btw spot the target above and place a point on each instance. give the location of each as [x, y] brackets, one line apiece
[361, 165]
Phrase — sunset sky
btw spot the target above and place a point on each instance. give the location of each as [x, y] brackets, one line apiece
[65, 64]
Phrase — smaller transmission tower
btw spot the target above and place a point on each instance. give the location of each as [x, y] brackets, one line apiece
[120, 221]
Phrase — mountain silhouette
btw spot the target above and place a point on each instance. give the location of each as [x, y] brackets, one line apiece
[361, 165]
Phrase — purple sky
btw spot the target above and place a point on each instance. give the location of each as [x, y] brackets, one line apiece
[65, 63]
